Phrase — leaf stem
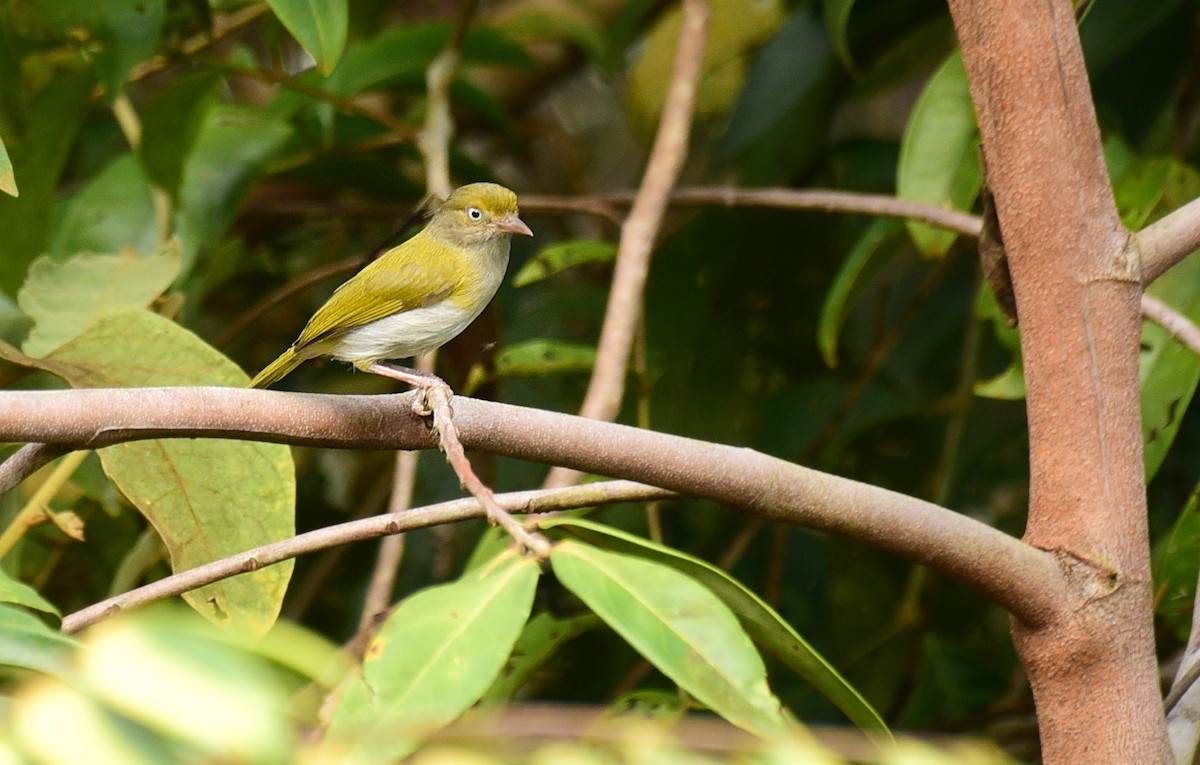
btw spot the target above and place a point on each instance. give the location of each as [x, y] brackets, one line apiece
[35, 510]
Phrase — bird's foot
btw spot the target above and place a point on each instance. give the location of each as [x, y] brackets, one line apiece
[420, 381]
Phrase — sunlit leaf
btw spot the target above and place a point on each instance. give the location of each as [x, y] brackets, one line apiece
[939, 155]
[562, 255]
[318, 25]
[65, 298]
[544, 357]
[8, 181]
[206, 498]
[863, 261]
[433, 658]
[12, 591]
[680, 627]
[764, 625]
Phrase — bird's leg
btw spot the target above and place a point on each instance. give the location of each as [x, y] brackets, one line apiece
[422, 381]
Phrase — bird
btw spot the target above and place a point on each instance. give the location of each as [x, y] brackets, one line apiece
[418, 295]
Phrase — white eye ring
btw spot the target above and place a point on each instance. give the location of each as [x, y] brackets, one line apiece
[474, 213]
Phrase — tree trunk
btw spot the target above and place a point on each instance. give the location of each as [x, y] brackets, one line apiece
[1077, 283]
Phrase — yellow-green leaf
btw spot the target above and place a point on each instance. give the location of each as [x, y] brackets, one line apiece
[206, 498]
[65, 297]
[680, 627]
[433, 658]
[560, 256]
[8, 181]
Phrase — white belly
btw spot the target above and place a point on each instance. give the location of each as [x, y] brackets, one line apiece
[404, 335]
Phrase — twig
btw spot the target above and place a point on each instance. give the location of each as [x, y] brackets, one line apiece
[37, 507]
[607, 385]
[437, 398]
[1168, 240]
[223, 26]
[1181, 327]
[391, 548]
[608, 492]
[24, 462]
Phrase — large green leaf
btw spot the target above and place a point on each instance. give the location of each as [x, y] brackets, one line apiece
[8, 181]
[863, 261]
[65, 298]
[939, 154]
[206, 498]
[318, 25]
[433, 658]
[680, 627]
[764, 625]
[114, 211]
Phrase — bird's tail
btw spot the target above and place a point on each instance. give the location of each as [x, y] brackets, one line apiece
[275, 371]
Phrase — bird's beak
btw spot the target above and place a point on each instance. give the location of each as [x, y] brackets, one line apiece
[511, 224]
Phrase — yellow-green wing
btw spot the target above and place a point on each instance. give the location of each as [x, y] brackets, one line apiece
[415, 274]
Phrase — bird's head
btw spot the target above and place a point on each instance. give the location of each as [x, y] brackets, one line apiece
[479, 212]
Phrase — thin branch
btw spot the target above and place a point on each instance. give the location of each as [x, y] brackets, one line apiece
[223, 25]
[1023, 579]
[1169, 240]
[641, 227]
[26, 461]
[1181, 327]
[544, 500]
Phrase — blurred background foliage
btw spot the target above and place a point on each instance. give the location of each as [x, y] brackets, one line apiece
[192, 157]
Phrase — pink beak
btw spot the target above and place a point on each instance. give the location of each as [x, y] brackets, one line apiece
[511, 224]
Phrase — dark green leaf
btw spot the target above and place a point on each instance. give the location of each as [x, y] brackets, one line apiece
[318, 25]
[1009, 385]
[127, 31]
[1176, 559]
[939, 156]
[837, 18]
[760, 621]
[539, 641]
[544, 357]
[863, 261]
[171, 125]
[680, 627]
[560, 256]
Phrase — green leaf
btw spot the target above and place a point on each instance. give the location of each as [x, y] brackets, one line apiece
[541, 638]
[206, 498]
[318, 25]
[231, 154]
[52, 120]
[680, 627]
[764, 625]
[114, 211]
[562, 255]
[12, 591]
[1169, 370]
[8, 181]
[26, 642]
[533, 358]
[1008, 385]
[65, 298]
[1138, 184]
[1175, 560]
[939, 155]
[863, 261]
[837, 18]
[433, 658]
[127, 32]
[171, 125]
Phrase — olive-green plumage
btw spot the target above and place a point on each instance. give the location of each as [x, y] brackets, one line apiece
[417, 295]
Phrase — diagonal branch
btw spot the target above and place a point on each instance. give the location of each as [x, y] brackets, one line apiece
[1023, 579]
[1180, 326]
[1169, 240]
[608, 492]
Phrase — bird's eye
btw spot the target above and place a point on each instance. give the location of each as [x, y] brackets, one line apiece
[474, 213]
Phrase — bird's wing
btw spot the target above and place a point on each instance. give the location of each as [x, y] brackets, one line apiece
[393, 283]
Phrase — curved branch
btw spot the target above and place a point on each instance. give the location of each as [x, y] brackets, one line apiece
[1179, 326]
[605, 493]
[24, 462]
[1025, 580]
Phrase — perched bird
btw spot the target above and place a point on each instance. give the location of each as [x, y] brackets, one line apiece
[417, 295]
